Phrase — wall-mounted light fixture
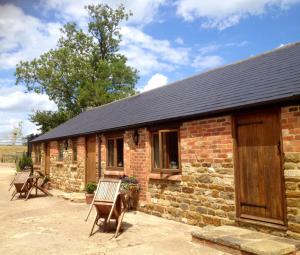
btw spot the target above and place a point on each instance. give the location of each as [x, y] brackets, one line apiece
[135, 137]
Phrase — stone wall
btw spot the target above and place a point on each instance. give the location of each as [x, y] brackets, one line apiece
[204, 193]
[68, 175]
[290, 120]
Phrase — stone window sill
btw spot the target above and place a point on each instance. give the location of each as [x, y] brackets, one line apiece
[59, 163]
[114, 172]
[168, 177]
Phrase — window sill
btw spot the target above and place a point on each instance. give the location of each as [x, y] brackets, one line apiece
[59, 163]
[168, 177]
[114, 172]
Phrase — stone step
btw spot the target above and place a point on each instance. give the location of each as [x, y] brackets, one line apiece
[237, 240]
[75, 197]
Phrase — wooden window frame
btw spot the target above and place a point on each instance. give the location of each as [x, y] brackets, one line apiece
[115, 167]
[74, 145]
[38, 154]
[59, 144]
[164, 170]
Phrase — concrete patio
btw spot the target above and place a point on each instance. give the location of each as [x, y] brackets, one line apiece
[52, 225]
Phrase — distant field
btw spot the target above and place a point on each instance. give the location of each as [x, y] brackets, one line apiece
[12, 149]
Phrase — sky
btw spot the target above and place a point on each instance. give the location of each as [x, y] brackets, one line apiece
[164, 40]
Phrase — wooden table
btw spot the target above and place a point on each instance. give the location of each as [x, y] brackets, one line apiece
[33, 182]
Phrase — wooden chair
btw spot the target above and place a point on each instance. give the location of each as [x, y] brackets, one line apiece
[21, 183]
[12, 182]
[109, 204]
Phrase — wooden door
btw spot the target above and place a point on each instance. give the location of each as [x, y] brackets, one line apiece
[258, 163]
[47, 159]
[91, 168]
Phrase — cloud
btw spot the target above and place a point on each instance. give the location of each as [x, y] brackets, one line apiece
[156, 81]
[148, 54]
[227, 13]
[16, 105]
[23, 37]
[144, 11]
[202, 63]
[179, 40]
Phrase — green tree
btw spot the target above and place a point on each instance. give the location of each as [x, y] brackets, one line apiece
[85, 70]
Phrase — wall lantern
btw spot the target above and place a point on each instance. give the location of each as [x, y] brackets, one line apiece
[135, 137]
[66, 144]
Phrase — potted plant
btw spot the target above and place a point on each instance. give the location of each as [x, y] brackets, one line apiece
[130, 186]
[90, 189]
[24, 163]
[47, 182]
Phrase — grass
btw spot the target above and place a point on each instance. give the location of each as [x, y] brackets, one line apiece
[12, 149]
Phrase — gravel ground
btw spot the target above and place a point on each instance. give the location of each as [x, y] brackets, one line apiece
[52, 225]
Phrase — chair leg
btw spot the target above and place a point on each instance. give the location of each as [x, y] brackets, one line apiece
[120, 219]
[13, 195]
[95, 221]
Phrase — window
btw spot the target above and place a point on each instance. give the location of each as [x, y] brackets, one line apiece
[74, 150]
[165, 151]
[61, 151]
[115, 148]
[37, 152]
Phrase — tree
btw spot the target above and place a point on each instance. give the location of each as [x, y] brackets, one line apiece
[85, 70]
[17, 132]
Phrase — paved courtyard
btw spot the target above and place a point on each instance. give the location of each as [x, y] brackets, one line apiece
[52, 225]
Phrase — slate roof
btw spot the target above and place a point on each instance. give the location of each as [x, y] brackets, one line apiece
[270, 77]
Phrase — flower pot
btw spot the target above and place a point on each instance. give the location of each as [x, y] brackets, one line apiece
[89, 198]
[48, 186]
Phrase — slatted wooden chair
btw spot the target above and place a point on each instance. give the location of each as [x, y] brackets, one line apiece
[21, 183]
[12, 182]
[109, 204]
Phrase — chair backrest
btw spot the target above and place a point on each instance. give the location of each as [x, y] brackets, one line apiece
[107, 190]
[21, 177]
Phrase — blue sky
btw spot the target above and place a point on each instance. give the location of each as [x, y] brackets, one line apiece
[165, 40]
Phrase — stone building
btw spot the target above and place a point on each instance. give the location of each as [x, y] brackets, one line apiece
[221, 147]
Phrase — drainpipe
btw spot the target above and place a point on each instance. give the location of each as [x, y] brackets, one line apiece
[99, 155]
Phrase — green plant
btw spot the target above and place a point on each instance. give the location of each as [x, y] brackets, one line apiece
[129, 183]
[24, 162]
[90, 187]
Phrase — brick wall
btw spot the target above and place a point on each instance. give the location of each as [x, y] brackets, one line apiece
[205, 193]
[290, 120]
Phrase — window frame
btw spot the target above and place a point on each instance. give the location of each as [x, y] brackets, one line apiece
[38, 154]
[59, 144]
[160, 169]
[74, 145]
[115, 166]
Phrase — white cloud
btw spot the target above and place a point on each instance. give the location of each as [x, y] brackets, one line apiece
[202, 63]
[23, 37]
[16, 105]
[144, 11]
[148, 54]
[156, 81]
[226, 13]
[179, 40]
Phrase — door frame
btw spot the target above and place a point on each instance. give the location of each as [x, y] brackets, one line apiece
[257, 220]
[86, 156]
[46, 152]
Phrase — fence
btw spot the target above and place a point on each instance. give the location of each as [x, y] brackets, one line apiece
[10, 158]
